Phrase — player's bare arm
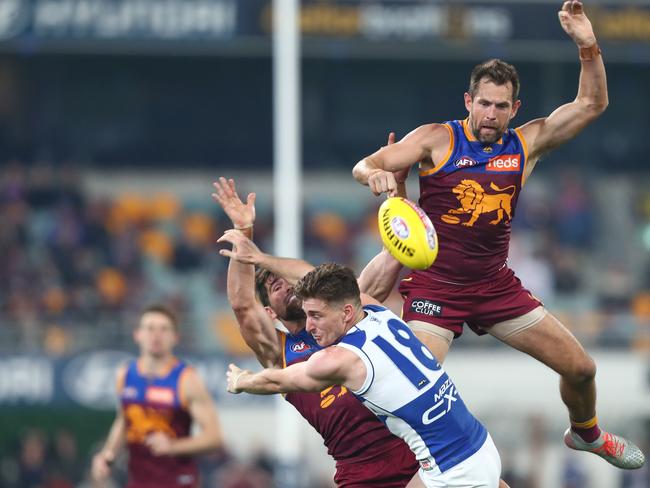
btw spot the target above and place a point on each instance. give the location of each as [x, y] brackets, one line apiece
[203, 412]
[426, 144]
[291, 269]
[330, 366]
[255, 325]
[543, 135]
[245, 251]
[379, 276]
[103, 460]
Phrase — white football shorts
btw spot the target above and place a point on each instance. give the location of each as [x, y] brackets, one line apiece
[481, 470]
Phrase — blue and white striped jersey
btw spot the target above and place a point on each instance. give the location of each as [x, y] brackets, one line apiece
[407, 389]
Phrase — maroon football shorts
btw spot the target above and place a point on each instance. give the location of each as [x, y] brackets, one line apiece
[394, 469]
[479, 305]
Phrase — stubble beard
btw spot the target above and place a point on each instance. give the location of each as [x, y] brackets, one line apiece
[486, 140]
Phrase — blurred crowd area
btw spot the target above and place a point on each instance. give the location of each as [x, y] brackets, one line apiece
[56, 458]
[42, 459]
[76, 266]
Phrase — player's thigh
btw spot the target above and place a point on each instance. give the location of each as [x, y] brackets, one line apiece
[553, 344]
[437, 339]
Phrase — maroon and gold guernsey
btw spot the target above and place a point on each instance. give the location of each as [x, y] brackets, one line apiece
[470, 197]
[154, 404]
[366, 453]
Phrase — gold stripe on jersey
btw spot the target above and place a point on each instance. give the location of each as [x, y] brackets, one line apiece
[283, 338]
[443, 161]
[182, 394]
[468, 133]
[524, 145]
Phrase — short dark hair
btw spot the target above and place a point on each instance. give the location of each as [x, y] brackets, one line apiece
[330, 282]
[163, 310]
[261, 277]
[498, 72]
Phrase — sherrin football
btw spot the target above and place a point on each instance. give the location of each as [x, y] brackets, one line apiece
[407, 233]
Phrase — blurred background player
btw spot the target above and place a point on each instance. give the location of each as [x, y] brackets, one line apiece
[366, 453]
[471, 174]
[160, 398]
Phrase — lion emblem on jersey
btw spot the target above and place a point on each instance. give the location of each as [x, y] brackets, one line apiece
[475, 201]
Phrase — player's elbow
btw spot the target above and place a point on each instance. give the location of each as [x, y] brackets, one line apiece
[214, 440]
[378, 291]
[594, 107]
[210, 438]
[241, 306]
[380, 294]
[597, 107]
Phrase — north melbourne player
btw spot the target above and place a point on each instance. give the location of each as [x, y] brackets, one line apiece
[375, 355]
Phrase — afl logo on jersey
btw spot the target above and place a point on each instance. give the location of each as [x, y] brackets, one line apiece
[301, 346]
[465, 162]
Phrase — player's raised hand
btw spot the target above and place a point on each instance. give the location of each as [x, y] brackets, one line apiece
[243, 249]
[159, 444]
[101, 466]
[242, 215]
[233, 374]
[576, 24]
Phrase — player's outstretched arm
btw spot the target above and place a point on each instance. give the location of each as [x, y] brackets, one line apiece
[330, 366]
[291, 269]
[102, 461]
[255, 325]
[568, 120]
[245, 251]
[376, 170]
[195, 395]
[379, 276]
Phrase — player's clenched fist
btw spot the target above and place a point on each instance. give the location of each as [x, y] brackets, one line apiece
[381, 181]
[233, 374]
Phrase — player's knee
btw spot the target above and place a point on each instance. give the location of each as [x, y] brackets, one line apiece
[583, 370]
